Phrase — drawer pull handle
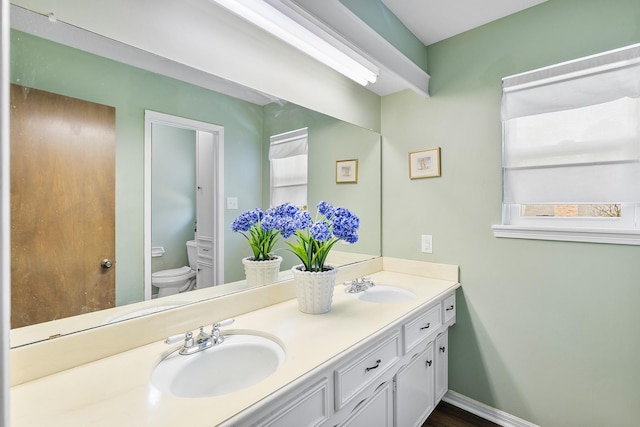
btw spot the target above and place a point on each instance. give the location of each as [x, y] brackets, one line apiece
[429, 362]
[449, 308]
[426, 327]
[371, 368]
[442, 349]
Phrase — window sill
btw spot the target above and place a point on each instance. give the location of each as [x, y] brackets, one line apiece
[566, 234]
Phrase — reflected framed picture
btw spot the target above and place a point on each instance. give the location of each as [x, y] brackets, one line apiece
[424, 163]
[347, 171]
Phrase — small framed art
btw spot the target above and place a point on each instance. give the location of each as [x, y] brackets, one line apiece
[347, 171]
[424, 163]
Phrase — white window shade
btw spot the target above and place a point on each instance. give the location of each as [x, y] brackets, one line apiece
[572, 131]
[288, 159]
[289, 144]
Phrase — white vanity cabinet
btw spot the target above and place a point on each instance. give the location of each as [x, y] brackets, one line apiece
[395, 378]
[415, 394]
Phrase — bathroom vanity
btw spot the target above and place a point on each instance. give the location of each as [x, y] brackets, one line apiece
[362, 364]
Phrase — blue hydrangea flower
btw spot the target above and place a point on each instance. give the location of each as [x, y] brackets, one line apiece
[325, 209]
[320, 231]
[246, 220]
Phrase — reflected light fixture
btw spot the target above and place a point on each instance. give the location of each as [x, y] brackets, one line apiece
[275, 22]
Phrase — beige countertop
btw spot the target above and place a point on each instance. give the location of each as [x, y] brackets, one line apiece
[116, 391]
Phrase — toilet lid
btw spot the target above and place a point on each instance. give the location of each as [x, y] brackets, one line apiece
[174, 272]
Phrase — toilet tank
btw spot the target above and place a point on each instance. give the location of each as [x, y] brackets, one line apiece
[192, 254]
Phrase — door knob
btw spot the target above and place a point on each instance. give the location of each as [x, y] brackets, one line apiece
[106, 263]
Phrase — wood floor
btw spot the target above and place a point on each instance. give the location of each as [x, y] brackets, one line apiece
[447, 415]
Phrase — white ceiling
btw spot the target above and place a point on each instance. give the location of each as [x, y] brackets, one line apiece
[435, 20]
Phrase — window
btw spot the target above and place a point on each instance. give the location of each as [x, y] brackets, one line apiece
[288, 160]
[571, 150]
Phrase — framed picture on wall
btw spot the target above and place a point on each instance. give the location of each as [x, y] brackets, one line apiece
[424, 163]
[347, 171]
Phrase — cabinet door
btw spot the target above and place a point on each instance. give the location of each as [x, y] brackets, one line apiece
[204, 275]
[414, 395]
[442, 364]
[375, 411]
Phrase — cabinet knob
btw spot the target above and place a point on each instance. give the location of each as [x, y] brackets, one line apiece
[442, 349]
[429, 362]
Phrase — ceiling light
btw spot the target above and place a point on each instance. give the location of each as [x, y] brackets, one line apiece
[345, 60]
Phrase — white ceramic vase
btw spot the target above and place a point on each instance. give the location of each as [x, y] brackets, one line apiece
[314, 290]
[261, 272]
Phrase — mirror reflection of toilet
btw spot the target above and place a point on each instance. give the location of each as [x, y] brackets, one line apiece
[177, 280]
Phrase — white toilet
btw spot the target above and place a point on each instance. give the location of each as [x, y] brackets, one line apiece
[176, 280]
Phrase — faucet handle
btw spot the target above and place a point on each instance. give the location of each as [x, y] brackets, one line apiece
[188, 340]
[215, 332]
[177, 338]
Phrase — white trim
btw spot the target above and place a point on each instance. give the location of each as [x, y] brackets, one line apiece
[5, 213]
[592, 64]
[218, 244]
[568, 234]
[484, 411]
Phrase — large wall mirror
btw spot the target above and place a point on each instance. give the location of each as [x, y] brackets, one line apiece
[41, 63]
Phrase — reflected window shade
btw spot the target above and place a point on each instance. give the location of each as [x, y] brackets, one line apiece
[296, 195]
[288, 158]
[565, 140]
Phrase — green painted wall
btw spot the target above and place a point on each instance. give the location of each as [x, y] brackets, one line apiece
[377, 16]
[547, 331]
[60, 69]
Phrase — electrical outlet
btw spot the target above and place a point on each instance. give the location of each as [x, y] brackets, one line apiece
[427, 243]
[232, 203]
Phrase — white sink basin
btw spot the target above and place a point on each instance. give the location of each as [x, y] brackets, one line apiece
[384, 294]
[238, 362]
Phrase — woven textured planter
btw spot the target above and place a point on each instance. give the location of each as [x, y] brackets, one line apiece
[261, 272]
[314, 290]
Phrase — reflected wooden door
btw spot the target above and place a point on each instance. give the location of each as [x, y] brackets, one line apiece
[62, 206]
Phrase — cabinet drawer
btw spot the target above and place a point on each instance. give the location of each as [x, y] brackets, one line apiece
[205, 251]
[449, 308]
[364, 369]
[421, 328]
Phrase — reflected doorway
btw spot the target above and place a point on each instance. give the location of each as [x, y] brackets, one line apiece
[183, 199]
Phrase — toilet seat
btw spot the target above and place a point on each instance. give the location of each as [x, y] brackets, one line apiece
[172, 275]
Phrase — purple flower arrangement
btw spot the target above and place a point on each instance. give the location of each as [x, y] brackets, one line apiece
[314, 238]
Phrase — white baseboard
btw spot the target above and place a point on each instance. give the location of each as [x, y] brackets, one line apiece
[484, 411]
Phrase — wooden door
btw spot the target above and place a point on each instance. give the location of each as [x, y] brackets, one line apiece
[62, 206]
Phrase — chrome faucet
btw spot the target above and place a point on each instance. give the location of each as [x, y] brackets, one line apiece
[203, 340]
[358, 285]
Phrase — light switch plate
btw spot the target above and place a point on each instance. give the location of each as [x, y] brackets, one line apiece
[427, 243]
[232, 203]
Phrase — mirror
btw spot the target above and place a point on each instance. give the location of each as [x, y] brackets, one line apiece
[248, 119]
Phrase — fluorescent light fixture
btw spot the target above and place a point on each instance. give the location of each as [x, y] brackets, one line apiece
[282, 26]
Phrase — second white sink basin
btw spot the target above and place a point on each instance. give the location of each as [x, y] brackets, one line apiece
[238, 362]
[384, 294]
